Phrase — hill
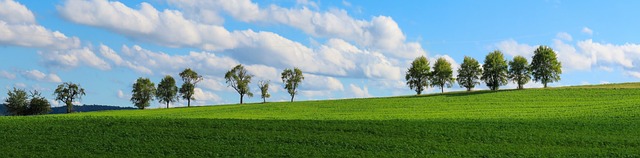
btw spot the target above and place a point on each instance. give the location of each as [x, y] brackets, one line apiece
[586, 121]
[80, 108]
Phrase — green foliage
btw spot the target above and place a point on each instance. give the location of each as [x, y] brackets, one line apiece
[545, 66]
[495, 70]
[239, 79]
[557, 122]
[143, 92]
[190, 78]
[519, 71]
[68, 92]
[442, 74]
[418, 74]
[469, 73]
[167, 90]
[18, 103]
[264, 90]
[291, 80]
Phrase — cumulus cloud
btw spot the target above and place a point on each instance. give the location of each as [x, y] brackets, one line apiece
[122, 95]
[205, 97]
[73, 58]
[162, 63]
[315, 82]
[40, 76]
[587, 30]
[7, 75]
[18, 27]
[359, 92]
[564, 36]
[513, 48]
[110, 54]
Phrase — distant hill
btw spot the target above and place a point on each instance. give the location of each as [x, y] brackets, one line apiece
[81, 108]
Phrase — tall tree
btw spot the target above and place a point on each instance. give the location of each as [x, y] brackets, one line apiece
[264, 90]
[18, 103]
[469, 73]
[418, 74]
[143, 92]
[442, 74]
[495, 70]
[239, 79]
[519, 71]
[167, 90]
[190, 79]
[68, 92]
[545, 66]
[291, 79]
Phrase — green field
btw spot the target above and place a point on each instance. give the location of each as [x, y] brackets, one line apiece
[583, 121]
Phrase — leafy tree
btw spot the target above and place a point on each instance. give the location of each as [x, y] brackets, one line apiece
[239, 79]
[545, 66]
[18, 103]
[167, 90]
[264, 90]
[143, 92]
[68, 92]
[495, 70]
[469, 73]
[519, 71]
[418, 74]
[291, 80]
[442, 74]
[190, 79]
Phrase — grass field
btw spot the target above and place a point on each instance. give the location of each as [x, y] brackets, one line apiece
[584, 121]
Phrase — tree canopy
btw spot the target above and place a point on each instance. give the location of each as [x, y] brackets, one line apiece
[238, 78]
[545, 66]
[68, 92]
[143, 92]
[418, 74]
[291, 79]
[519, 71]
[167, 90]
[264, 90]
[190, 79]
[495, 70]
[469, 73]
[19, 103]
[442, 74]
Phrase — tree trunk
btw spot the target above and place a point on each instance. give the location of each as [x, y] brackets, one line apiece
[189, 102]
[241, 96]
[69, 107]
[292, 98]
[545, 85]
[167, 105]
[468, 89]
[264, 100]
[442, 88]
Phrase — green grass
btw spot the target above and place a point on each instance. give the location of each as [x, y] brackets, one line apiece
[587, 121]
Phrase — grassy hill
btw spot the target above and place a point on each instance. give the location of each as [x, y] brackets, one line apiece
[583, 121]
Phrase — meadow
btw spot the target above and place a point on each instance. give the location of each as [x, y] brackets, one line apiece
[580, 121]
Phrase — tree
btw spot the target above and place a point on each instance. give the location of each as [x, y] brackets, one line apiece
[239, 79]
[418, 74]
[167, 90]
[18, 103]
[143, 92]
[469, 73]
[68, 92]
[264, 90]
[519, 71]
[495, 70]
[545, 66]
[291, 79]
[190, 79]
[442, 74]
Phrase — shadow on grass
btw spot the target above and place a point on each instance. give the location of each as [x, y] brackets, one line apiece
[457, 93]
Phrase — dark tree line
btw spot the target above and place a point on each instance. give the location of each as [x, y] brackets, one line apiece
[495, 71]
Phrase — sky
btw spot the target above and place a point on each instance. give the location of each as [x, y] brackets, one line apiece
[346, 49]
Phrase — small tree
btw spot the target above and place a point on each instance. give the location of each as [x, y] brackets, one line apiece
[190, 79]
[18, 103]
[519, 71]
[68, 92]
[418, 74]
[442, 74]
[545, 66]
[167, 90]
[239, 79]
[495, 70]
[469, 73]
[264, 90]
[291, 80]
[143, 92]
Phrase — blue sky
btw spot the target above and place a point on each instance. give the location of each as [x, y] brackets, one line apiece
[347, 49]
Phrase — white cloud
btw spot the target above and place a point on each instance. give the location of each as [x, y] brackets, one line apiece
[15, 13]
[564, 36]
[635, 74]
[20, 85]
[214, 83]
[117, 60]
[205, 97]
[359, 92]
[122, 95]
[262, 72]
[73, 58]
[587, 30]
[7, 75]
[606, 53]
[315, 82]
[40, 76]
[570, 58]
[513, 48]
[162, 63]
